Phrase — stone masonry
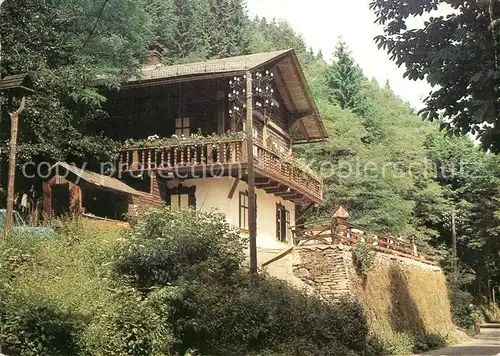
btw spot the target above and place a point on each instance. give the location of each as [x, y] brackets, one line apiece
[327, 270]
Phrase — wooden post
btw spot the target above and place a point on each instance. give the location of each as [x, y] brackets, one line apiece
[495, 309]
[454, 237]
[252, 208]
[14, 124]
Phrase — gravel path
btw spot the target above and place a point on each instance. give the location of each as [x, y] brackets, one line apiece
[485, 344]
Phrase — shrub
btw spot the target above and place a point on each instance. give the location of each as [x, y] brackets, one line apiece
[430, 342]
[188, 266]
[491, 312]
[130, 326]
[35, 325]
[16, 250]
[166, 245]
[363, 257]
[398, 343]
[172, 285]
[265, 315]
[465, 313]
[52, 288]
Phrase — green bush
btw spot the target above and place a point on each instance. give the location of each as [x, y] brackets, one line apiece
[130, 326]
[398, 343]
[363, 257]
[252, 317]
[188, 265]
[16, 251]
[166, 245]
[171, 285]
[429, 342]
[465, 314]
[491, 312]
[35, 325]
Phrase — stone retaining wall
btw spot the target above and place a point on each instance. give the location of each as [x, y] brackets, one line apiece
[328, 270]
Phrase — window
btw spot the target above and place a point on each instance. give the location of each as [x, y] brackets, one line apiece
[244, 211]
[282, 223]
[183, 126]
[180, 202]
[181, 197]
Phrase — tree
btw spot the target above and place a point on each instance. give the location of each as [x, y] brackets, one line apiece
[471, 180]
[71, 49]
[345, 77]
[228, 31]
[457, 54]
[276, 35]
[194, 30]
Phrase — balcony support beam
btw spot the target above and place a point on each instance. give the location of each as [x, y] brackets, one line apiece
[262, 182]
[280, 188]
[271, 185]
[294, 198]
[235, 186]
[287, 194]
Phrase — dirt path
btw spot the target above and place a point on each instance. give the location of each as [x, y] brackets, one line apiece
[485, 344]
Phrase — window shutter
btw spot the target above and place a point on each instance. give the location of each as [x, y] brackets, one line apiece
[278, 222]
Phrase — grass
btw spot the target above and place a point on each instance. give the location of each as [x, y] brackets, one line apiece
[407, 307]
[71, 270]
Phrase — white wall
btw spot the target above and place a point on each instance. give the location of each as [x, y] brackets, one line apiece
[213, 193]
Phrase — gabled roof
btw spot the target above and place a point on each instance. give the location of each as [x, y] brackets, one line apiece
[16, 82]
[214, 66]
[98, 180]
[340, 211]
[305, 125]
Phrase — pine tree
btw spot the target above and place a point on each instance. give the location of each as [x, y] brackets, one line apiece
[345, 77]
[193, 30]
[227, 33]
[189, 38]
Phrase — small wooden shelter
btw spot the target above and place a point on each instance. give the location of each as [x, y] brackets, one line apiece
[74, 191]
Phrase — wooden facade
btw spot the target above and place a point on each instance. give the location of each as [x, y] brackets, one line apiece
[187, 106]
[138, 113]
[193, 99]
[72, 191]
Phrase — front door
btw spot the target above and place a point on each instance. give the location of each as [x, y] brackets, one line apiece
[60, 199]
[282, 223]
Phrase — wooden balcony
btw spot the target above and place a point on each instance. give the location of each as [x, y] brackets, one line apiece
[211, 158]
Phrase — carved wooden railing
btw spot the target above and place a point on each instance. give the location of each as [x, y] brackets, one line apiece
[210, 153]
[184, 155]
[385, 244]
[297, 177]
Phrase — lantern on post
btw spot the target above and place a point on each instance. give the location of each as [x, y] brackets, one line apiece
[264, 94]
[16, 87]
[340, 220]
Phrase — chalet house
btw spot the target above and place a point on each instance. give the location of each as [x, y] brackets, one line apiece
[185, 144]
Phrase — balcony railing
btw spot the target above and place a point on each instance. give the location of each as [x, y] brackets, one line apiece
[230, 154]
[297, 178]
[183, 155]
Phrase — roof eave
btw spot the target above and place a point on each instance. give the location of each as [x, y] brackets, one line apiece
[307, 91]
